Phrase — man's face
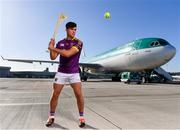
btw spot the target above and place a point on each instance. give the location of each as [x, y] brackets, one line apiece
[71, 32]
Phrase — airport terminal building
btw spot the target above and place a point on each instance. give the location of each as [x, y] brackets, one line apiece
[6, 73]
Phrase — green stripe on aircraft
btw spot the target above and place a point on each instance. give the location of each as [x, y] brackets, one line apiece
[134, 45]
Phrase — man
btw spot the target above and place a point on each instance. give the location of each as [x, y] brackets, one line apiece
[69, 50]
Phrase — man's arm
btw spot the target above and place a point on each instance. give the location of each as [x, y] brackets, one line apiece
[53, 54]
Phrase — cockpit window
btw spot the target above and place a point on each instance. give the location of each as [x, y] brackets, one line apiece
[163, 42]
[152, 44]
[155, 43]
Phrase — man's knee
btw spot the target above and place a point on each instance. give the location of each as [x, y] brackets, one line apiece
[78, 94]
[77, 90]
[56, 94]
[57, 90]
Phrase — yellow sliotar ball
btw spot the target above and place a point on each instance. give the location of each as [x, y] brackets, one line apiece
[107, 15]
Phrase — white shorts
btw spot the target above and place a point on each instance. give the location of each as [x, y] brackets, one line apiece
[66, 78]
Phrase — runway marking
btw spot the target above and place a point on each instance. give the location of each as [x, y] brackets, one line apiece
[5, 92]
[104, 117]
[155, 99]
[133, 95]
[138, 100]
[23, 104]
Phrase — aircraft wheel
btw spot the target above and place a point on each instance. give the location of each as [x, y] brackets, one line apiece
[84, 78]
[116, 79]
[139, 82]
[127, 82]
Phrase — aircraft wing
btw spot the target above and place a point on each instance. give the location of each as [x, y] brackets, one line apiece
[31, 61]
[91, 65]
[85, 65]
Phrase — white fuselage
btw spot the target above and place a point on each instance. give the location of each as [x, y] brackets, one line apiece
[138, 60]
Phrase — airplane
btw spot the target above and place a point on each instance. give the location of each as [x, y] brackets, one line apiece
[141, 55]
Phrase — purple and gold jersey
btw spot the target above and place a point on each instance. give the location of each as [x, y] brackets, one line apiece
[69, 64]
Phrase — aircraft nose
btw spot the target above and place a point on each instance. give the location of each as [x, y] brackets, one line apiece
[170, 52]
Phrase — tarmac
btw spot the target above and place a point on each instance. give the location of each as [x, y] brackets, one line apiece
[24, 104]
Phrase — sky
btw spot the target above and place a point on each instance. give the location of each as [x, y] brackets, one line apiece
[27, 26]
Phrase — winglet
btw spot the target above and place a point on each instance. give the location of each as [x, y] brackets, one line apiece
[3, 58]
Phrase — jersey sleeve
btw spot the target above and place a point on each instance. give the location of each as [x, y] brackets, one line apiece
[78, 45]
[59, 45]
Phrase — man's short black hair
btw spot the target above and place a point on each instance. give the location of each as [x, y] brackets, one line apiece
[71, 25]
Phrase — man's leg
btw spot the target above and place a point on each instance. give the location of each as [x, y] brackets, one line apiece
[79, 96]
[57, 88]
[80, 101]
